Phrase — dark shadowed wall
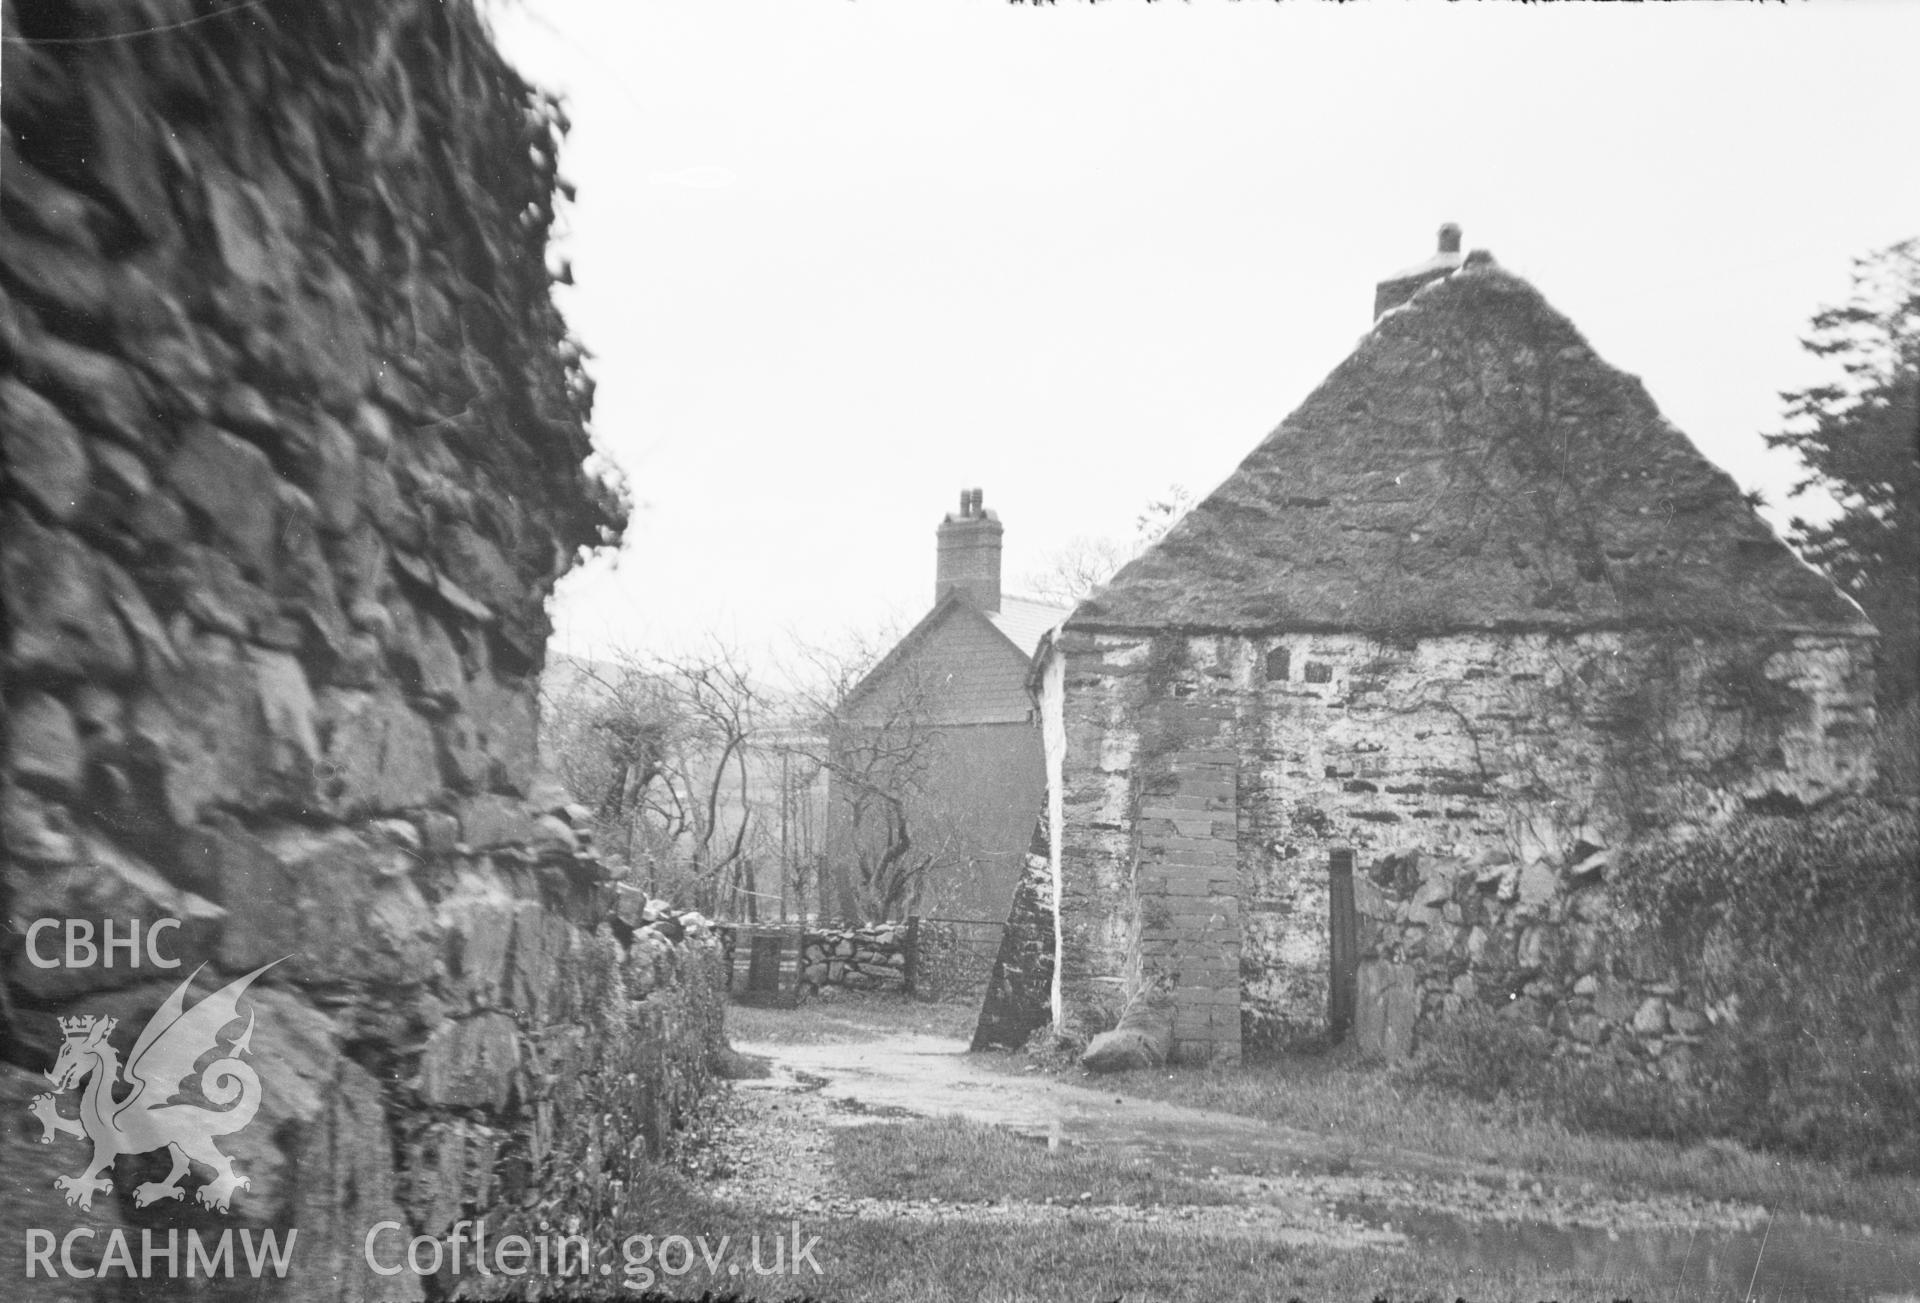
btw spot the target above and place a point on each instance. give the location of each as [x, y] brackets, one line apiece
[293, 456]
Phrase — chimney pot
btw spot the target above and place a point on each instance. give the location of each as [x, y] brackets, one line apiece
[1450, 238]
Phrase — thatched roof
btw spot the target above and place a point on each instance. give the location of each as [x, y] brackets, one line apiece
[1473, 464]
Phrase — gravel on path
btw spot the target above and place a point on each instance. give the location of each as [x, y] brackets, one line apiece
[1293, 1187]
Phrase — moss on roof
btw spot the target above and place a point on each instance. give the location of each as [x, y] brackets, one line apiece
[1473, 464]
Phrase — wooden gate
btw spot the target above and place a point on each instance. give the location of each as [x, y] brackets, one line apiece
[763, 965]
[1344, 947]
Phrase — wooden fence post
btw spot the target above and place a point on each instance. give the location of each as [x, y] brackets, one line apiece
[912, 965]
[1344, 949]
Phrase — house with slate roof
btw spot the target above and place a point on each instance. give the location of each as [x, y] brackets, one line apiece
[951, 697]
[1475, 599]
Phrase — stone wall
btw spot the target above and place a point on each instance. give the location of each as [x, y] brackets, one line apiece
[869, 958]
[931, 959]
[1442, 937]
[294, 445]
[1530, 745]
[872, 957]
[1018, 998]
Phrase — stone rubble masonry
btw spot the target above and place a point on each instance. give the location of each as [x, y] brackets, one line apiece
[293, 453]
[1019, 994]
[1208, 777]
[1538, 942]
[869, 957]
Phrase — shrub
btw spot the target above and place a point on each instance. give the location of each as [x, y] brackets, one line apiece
[1807, 927]
[1480, 1054]
[1619, 1098]
[1896, 751]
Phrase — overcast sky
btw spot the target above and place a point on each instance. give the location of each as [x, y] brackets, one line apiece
[838, 259]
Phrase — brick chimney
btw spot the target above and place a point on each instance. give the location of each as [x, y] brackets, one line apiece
[969, 554]
[1402, 285]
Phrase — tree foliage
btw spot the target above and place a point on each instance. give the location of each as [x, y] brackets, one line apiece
[1803, 930]
[1858, 435]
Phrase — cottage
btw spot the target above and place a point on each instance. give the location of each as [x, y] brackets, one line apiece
[1476, 600]
[937, 762]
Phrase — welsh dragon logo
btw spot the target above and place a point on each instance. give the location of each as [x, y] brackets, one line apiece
[150, 1116]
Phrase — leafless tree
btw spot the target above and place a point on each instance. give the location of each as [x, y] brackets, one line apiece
[877, 741]
[1082, 565]
[1086, 562]
[661, 744]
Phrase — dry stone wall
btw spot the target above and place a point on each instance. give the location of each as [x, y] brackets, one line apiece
[928, 958]
[294, 445]
[812, 958]
[932, 959]
[1444, 937]
[868, 958]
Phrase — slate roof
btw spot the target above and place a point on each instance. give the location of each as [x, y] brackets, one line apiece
[1025, 620]
[971, 666]
[1472, 465]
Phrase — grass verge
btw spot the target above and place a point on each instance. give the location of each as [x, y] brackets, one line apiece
[1368, 1107]
[1084, 1257]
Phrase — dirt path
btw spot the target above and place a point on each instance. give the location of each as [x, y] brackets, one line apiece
[779, 1144]
[1295, 1186]
[931, 1076]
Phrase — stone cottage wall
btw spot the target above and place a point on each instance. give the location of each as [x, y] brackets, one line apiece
[1151, 812]
[293, 456]
[1536, 747]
